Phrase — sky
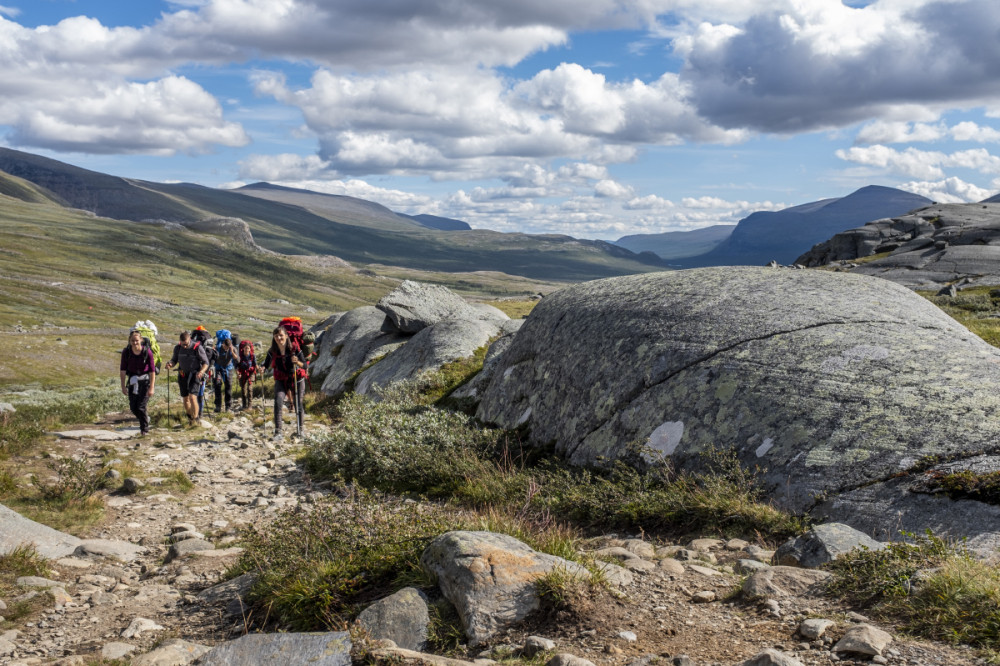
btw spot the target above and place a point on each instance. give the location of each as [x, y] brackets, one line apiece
[593, 118]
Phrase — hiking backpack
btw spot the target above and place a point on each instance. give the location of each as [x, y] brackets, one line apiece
[301, 341]
[248, 361]
[147, 330]
[200, 337]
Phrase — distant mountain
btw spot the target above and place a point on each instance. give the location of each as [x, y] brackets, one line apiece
[785, 234]
[292, 221]
[677, 244]
[441, 223]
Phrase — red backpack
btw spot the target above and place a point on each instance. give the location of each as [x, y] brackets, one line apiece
[300, 341]
[247, 367]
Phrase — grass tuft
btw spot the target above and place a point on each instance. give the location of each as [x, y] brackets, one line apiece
[932, 587]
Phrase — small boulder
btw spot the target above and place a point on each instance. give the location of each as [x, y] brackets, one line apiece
[864, 639]
[565, 659]
[489, 578]
[316, 649]
[771, 657]
[778, 582]
[413, 306]
[171, 652]
[182, 548]
[822, 544]
[815, 627]
[402, 618]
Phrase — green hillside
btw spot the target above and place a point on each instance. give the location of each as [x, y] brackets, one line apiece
[310, 223]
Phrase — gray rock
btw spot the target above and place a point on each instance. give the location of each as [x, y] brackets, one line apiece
[489, 578]
[564, 659]
[7, 408]
[822, 544]
[132, 486]
[96, 435]
[615, 575]
[229, 595]
[771, 657]
[317, 649]
[7, 647]
[116, 650]
[37, 581]
[171, 652]
[750, 566]
[815, 627]
[863, 639]
[474, 387]
[182, 548]
[17, 531]
[444, 341]
[362, 336]
[349, 324]
[535, 644]
[140, 625]
[779, 582]
[833, 382]
[413, 306]
[401, 618]
[118, 550]
[489, 313]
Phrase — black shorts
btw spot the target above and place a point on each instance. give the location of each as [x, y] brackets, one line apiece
[189, 384]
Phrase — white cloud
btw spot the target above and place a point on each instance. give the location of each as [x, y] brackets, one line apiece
[281, 168]
[925, 165]
[969, 131]
[611, 189]
[648, 202]
[883, 132]
[948, 190]
[12, 12]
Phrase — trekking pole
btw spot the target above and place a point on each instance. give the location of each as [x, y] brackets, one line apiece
[299, 408]
[168, 396]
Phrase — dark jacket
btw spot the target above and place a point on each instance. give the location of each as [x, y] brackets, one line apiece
[189, 359]
[282, 363]
[137, 364]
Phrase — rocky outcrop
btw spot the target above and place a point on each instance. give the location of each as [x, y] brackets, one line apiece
[415, 329]
[445, 341]
[834, 383]
[472, 389]
[926, 248]
[823, 544]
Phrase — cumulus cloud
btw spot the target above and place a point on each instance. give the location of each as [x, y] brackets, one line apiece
[612, 189]
[283, 168]
[925, 165]
[810, 64]
[948, 190]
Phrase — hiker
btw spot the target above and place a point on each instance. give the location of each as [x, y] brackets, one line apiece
[283, 359]
[225, 364]
[200, 338]
[193, 363]
[247, 370]
[138, 377]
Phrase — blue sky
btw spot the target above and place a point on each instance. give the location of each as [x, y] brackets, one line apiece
[594, 118]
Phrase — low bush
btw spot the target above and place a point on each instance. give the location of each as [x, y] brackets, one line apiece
[933, 588]
[399, 445]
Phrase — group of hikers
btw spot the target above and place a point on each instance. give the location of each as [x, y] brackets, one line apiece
[199, 357]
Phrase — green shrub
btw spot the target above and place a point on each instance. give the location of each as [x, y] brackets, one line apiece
[316, 570]
[933, 588]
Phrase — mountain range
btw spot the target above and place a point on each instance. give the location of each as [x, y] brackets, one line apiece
[300, 222]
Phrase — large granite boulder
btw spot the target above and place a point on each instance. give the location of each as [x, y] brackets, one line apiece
[926, 248]
[445, 341]
[360, 337]
[471, 389]
[835, 383]
[489, 578]
[413, 306]
[822, 544]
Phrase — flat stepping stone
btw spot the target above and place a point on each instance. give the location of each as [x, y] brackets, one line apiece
[98, 435]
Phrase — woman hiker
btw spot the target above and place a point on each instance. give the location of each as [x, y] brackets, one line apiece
[284, 361]
[193, 365]
[138, 375]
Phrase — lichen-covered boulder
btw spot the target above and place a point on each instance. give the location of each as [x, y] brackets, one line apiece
[489, 578]
[832, 382]
[413, 306]
[471, 389]
[356, 340]
[402, 618]
[823, 544]
[445, 341]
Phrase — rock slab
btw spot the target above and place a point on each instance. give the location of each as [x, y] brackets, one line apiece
[401, 618]
[316, 649]
[16, 531]
[822, 544]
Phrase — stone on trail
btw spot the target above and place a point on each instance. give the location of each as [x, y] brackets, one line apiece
[37, 581]
[138, 626]
[17, 531]
[118, 550]
[779, 582]
[565, 659]
[822, 544]
[815, 627]
[830, 381]
[864, 639]
[401, 618]
[116, 650]
[182, 548]
[771, 657]
[229, 595]
[97, 435]
[413, 306]
[489, 578]
[316, 649]
[171, 652]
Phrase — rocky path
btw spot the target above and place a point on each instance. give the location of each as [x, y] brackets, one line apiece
[674, 603]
